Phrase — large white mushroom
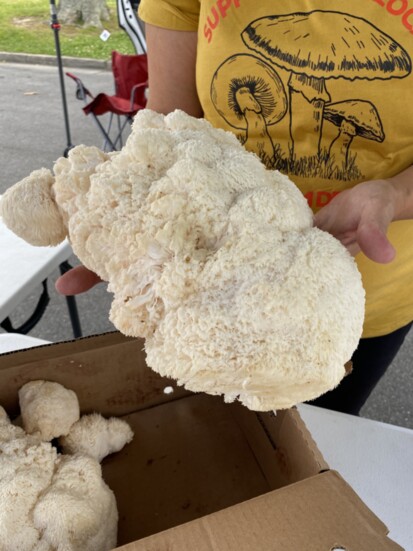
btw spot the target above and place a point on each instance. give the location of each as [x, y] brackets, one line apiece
[212, 258]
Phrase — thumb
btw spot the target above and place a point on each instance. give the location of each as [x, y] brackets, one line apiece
[77, 280]
[373, 242]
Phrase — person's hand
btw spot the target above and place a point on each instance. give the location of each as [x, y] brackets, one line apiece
[359, 218]
[77, 280]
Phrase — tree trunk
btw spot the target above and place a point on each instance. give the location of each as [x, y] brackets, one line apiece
[90, 13]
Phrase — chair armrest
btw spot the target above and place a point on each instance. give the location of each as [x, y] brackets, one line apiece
[81, 91]
[135, 90]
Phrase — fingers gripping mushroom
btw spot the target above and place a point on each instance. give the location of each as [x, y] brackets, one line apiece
[295, 43]
[256, 97]
[354, 118]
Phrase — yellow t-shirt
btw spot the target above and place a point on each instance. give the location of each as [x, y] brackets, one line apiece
[321, 90]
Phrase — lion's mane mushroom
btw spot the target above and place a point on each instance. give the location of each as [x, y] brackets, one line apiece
[48, 409]
[52, 500]
[215, 261]
[294, 42]
[353, 118]
[256, 98]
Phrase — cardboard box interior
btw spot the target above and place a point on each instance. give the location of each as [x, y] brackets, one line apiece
[200, 474]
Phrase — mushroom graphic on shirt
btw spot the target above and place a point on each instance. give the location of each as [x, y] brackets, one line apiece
[249, 95]
[353, 118]
[299, 43]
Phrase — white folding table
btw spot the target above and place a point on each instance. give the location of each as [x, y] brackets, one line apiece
[375, 458]
[9, 342]
[23, 267]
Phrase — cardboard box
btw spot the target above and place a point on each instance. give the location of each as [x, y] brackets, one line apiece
[200, 474]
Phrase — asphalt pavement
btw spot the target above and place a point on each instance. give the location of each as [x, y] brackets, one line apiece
[33, 134]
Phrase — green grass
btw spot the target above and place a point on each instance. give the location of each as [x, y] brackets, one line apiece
[25, 28]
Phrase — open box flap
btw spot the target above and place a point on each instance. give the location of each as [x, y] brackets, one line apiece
[285, 449]
[321, 513]
[107, 372]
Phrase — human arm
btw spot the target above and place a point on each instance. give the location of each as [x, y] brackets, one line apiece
[359, 217]
[171, 70]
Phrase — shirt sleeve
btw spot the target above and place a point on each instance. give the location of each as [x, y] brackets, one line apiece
[179, 15]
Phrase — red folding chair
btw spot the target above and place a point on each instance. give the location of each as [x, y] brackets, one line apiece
[130, 74]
